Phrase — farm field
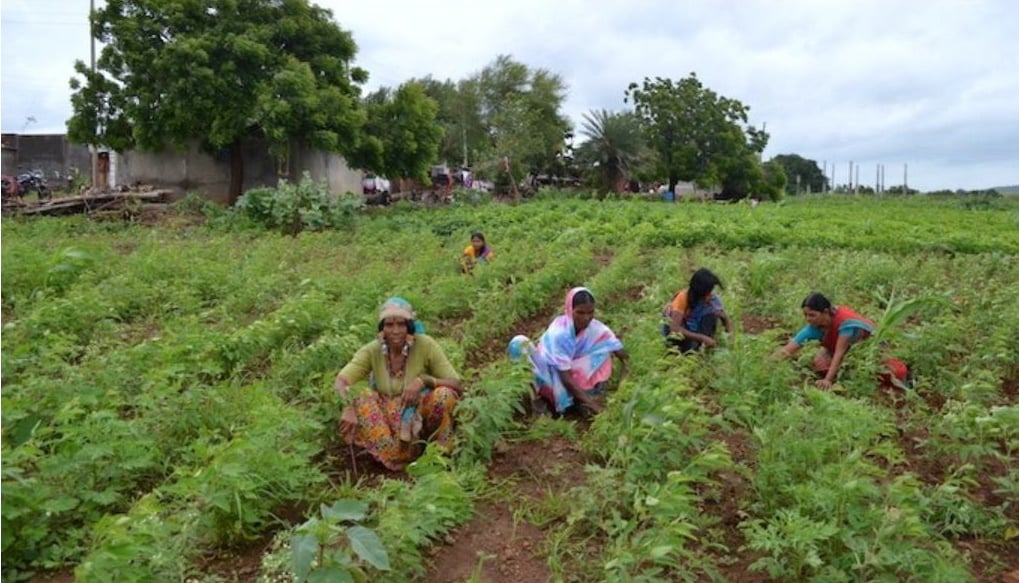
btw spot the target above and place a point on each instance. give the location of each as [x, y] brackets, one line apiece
[168, 412]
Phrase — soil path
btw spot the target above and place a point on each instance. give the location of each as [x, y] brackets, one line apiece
[500, 544]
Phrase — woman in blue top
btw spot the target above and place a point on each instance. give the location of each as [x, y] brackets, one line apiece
[693, 314]
[837, 328]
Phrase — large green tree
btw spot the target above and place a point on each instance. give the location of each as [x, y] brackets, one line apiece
[698, 134]
[403, 136]
[811, 179]
[507, 112]
[615, 144]
[521, 108]
[465, 138]
[219, 71]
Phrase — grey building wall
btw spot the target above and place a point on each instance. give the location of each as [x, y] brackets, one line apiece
[58, 159]
[330, 168]
[193, 170]
[179, 170]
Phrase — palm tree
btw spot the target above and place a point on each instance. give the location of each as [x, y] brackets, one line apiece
[615, 145]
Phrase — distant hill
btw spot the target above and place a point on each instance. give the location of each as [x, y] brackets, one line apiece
[1014, 189]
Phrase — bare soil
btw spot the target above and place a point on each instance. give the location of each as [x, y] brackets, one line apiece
[498, 545]
[756, 324]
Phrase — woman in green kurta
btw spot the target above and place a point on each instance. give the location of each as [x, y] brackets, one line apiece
[411, 395]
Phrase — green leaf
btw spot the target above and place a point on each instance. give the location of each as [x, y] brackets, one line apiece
[345, 510]
[25, 429]
[330, 575]
[368, 547]
[303, 548]
[661, 551]
[62, 504]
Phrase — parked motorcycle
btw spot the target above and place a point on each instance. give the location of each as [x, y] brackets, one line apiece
[33, 180]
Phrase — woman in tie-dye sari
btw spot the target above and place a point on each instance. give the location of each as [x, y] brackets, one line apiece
[573, 358]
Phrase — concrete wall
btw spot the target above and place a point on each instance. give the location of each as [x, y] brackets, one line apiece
[180, 170]
[192, 170]
[58, 159]
[323, 166]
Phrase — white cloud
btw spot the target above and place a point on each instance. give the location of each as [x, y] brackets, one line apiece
[927, 83]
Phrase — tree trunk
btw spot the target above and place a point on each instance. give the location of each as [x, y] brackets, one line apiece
[672, 187]
[236, 172]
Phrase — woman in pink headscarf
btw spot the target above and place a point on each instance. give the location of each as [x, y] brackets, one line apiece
[573, 358]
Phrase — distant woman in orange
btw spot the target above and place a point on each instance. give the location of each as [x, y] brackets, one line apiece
[477, 252]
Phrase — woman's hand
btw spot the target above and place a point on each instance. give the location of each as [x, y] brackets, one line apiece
[823, 384]
[412, 392]
[348, 424]
[624, 366]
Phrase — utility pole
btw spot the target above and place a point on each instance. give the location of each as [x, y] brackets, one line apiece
[856, 183]
[95, 147]
[905, 179]
[463, 130]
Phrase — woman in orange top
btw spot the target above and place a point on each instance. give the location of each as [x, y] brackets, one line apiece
[693, 314]
[477, 251]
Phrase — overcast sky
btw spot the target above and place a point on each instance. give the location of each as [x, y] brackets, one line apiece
[929, 83]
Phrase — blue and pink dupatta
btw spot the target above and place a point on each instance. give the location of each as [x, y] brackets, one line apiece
[587, 357]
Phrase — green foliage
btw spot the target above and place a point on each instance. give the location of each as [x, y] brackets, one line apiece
[773, 181]
[292, 208]
[171, 73]
[405, 126]
[823, 511]
[506, 110]
[804, 175]
[412, 517]
[489, 411]
[465, 134]
[697, 133]
[167, 392]
[321, 547]
[615, 145]
[521, 107]
[195, 203]
[148, 544]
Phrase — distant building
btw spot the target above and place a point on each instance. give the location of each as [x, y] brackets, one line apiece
[183, 171]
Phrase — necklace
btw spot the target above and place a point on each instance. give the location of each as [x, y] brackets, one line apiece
[396, 371]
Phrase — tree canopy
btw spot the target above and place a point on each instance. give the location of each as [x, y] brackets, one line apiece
[615, 144]
[219, 71]
[699, 135]
[223, 71]
[811, 179]
[506, 111]
[403, 137]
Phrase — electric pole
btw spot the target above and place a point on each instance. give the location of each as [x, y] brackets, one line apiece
[95, 147]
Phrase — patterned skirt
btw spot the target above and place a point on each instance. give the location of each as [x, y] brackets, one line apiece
[378, 425]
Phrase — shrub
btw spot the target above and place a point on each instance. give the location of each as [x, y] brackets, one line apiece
[292, 208]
